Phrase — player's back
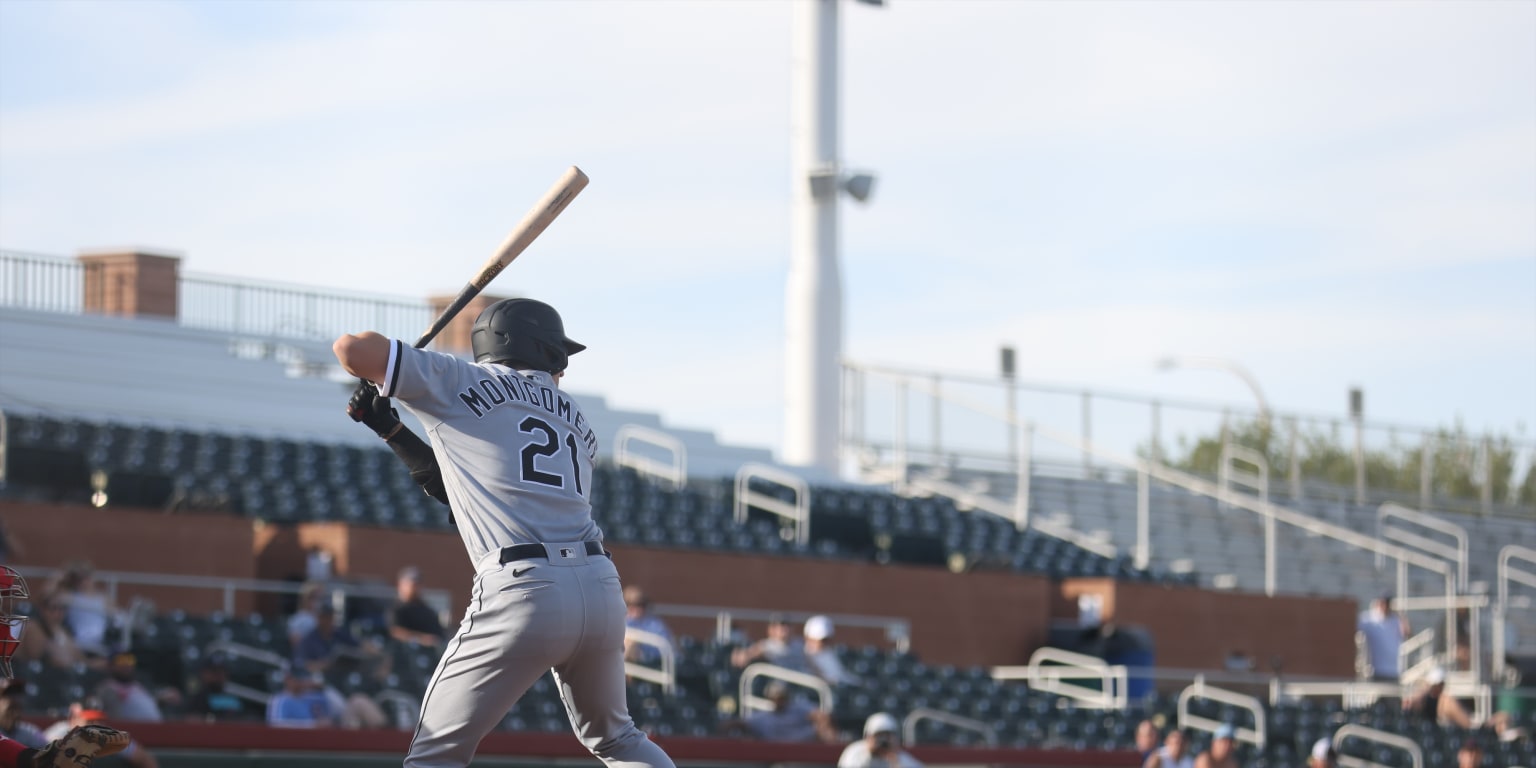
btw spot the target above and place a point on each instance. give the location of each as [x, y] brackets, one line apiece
[515, 451]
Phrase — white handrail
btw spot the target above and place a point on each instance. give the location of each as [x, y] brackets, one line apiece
[1257, 735]
[1187, 481]
[799, 511]
[909, 725]
[1458, 554]
[1355, 730]
[675, 471]
[1008, 511]
[666, 676]
[751, 702]
[1048, 668]
[1504, 575]
[1231, 455]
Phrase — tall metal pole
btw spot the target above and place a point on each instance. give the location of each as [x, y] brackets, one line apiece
[814, 295]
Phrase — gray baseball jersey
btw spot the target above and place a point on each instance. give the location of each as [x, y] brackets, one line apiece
[516, 453]
[516, 458]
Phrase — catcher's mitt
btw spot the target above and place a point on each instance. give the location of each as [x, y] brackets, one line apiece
[79, 747]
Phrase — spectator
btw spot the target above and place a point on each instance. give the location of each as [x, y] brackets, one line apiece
[820, 658]
[1174, 752]
[330, 646]
[412, 620]
[211, 702]
[1431, 704]
[1323, 755]
[638, 616]
[880, 747]
[1384, 632]
[49, 638]
[1221, 754]
[134, 755]
[329, 640]
[311, 596]
[301, 703]
[319, 565]
[1470, 755]
[13, 703]
[123, 697]
[792, 719]
[88, 610]
[1147, 738]
[777, 648]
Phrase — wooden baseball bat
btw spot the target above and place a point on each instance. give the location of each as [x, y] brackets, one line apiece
[544, 212]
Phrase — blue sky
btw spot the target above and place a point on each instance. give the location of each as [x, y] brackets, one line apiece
[1332, 194]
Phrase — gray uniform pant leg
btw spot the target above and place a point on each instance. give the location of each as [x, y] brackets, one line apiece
[498, 653]
[591, 681]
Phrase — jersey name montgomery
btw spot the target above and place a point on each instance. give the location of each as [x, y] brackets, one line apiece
[488, 393]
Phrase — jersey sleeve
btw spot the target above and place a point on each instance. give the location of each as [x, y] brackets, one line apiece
[424, 379]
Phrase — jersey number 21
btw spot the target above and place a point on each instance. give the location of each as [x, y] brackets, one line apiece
[551, 444]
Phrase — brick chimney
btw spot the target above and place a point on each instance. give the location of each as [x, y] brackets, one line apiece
[130, 283]
[455, 338]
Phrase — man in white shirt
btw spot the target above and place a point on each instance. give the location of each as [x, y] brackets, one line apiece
[1384, 632]
[880, 747]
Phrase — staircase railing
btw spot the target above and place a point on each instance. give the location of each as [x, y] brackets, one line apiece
[1050, 669]
[797, 512]
[674, 471]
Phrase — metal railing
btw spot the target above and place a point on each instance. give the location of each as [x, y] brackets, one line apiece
[897, 631]
[439, 599]
[666, 675]
[909, 725]
[798, 512]
[1357, 731]
[1505, 575]
[235, 305]
[1458, 554]
[1233, 456]
[953, 437]
[751, 702]
[1049, 669]
[1257, 735]
[674, 471]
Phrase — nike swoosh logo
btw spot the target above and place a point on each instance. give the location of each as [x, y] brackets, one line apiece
[516, 572]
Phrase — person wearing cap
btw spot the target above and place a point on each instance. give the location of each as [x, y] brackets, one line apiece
[1383, 632]
[820, 657]
[1431, 703]
[301, 703]
[1470, 755]
[211, 702]
[637, 615]
[412, 620]
[777, 648]
[1323, 755]
[1222, 753]
[792, 719]
[123, 697]
[1174, 752]
[880, 747]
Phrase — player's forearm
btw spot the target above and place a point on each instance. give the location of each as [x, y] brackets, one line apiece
[364, 355]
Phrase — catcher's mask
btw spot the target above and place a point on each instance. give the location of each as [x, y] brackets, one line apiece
[523, 334]
[13, 590]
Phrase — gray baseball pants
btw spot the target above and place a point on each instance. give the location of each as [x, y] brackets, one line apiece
[527, 616]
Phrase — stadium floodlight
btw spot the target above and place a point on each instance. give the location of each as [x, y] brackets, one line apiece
[1222, 364]
[859, 185]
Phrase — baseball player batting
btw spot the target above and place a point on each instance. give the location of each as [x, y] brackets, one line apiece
[513, 455]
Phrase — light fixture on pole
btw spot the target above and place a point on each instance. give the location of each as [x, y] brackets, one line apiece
[1222, 364]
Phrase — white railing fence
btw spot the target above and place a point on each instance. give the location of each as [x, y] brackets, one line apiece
[749, 702]
[1257, 735]
[666, 675]
[1053, 670]
[1356, 731]
[798, 511]
[909, 725]
[674, 470]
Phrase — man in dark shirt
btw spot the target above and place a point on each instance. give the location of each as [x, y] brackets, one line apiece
[211, 702]
[413, 621]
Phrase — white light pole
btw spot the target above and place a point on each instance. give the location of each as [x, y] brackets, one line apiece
[1222, 364]
[814, 290]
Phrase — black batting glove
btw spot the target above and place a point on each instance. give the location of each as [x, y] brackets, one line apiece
[373, 411]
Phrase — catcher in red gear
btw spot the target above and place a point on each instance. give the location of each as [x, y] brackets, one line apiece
[76, 749]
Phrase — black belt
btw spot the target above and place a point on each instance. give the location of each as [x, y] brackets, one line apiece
[538, 552]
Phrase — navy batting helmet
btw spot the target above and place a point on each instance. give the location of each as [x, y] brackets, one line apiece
[523, 334]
